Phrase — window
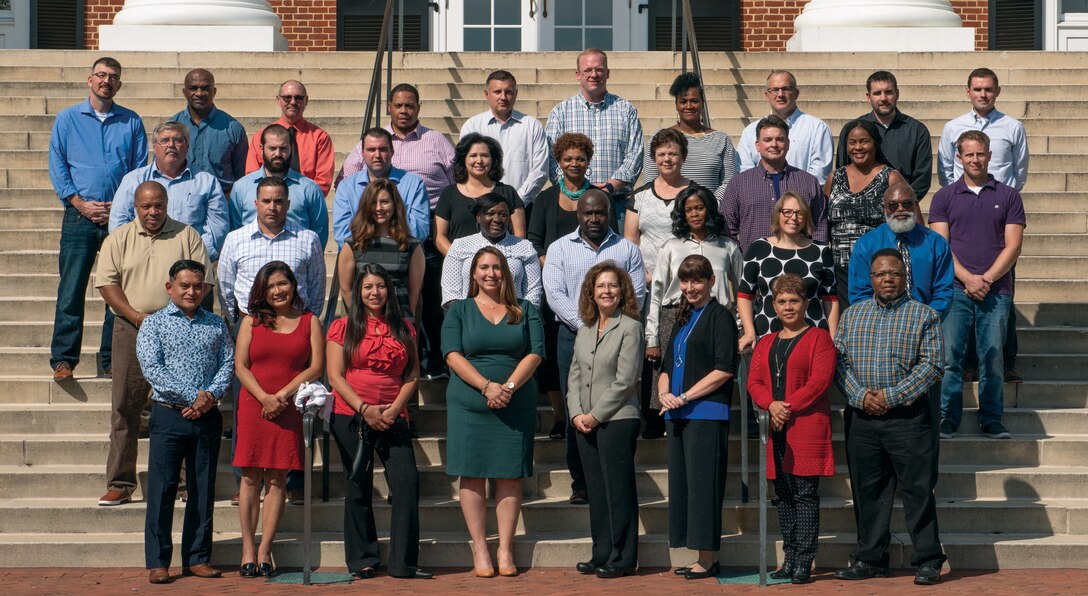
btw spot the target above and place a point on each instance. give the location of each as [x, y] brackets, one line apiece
[492, 25]
[581, 24]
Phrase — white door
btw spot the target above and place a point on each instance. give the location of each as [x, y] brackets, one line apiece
[574, 25]
[491, 26]
[14, 24]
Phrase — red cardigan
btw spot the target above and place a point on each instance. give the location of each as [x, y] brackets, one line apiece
[809, 372]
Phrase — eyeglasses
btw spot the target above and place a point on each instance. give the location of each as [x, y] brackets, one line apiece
[288, 98]
[894, 206]
[167, 141]
[777, 90]
[792, 213]
[886, 274]
[105, 76]
[594, 71]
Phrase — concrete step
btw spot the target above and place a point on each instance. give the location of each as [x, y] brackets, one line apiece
[1059, 290]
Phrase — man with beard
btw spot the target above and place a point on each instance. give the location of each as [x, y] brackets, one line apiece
[217, 142]
[307, 209]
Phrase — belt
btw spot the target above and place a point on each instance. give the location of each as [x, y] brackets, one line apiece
[176, 407]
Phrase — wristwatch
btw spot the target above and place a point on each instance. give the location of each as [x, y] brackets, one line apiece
[509, 385]
[683, 397]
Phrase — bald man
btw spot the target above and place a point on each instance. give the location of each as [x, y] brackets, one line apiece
[133, 268]
[311, 148]
[217, 142]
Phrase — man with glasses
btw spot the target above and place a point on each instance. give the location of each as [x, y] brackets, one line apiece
[217, 142]
[311, 148]
[609, 121]
[91, 148]
[811, 147]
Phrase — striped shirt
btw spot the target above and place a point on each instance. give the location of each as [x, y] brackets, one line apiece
[520, 256]
[570, 258]
[711, 161]
[750, 197]
[247, 249]
[613, 126]
[424, 152]
[896, 347]
[811, 146]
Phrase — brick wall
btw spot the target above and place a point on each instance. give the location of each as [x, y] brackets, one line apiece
[307, 24]
[766, 25]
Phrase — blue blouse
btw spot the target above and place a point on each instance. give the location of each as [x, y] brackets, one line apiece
[697, 409]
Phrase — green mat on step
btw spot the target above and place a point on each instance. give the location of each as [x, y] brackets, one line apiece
[747, 578]
[316, 578]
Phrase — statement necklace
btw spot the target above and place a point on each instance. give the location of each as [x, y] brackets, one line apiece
[574, 195]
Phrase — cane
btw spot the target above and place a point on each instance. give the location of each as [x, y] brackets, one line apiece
[308, 437]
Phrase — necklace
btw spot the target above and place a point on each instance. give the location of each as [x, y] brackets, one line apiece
[779, 364]
[679, 361]
[575, 194]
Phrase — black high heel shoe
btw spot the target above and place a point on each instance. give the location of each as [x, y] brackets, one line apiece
[714, 570]
[784, 572]
[266, 570]
[248, 570]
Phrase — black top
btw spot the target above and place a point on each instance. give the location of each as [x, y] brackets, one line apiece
[712, 345]
[456, 208]
[907, 147]
[550, 222]
[777, 358]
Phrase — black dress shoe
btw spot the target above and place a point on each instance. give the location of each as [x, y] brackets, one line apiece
[248, 570]
[610, 572]
[783, 572]
[265, 569]
[927, 575]
[714, 570]
[586, 568]
[861, 570]
[681, 570]
[801, 576]
[416, 575]
[364, 573]
[579, 497]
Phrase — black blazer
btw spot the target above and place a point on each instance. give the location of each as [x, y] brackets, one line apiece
[712, 345]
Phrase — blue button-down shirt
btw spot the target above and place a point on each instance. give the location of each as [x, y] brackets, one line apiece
[931, 271]
[307, 208]
[193, 198]
[217, 145]
[1008, 145]
[412, 192]
[180, 356]
[247, 249]
[88, 157]
[570, 258]
[613, 126]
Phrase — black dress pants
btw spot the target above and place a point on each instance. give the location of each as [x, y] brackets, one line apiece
[798, 510]
[608, 458]
[698, 454]
[394, 448]
[887, 451]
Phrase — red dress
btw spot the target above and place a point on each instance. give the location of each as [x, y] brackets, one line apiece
[376, 372]
[809, 372]
[275, 359]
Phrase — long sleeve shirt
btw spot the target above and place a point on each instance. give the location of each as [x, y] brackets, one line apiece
[315, 153]
[613, 126]
[307, 208]
[811, 146]
[524, 149]
[412, 191]
[520, 256]
[896, 347]
[248, 249]
[725, 259]
[193, 198]
[749, 200]
[570, 258]
[89, 157]
[931, 271]
[905, 143]
[217, 145]
[180, 356]
[1008, 146]
[423, 152]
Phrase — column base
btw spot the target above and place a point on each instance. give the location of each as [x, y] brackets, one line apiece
[191, 38]
[883, 39]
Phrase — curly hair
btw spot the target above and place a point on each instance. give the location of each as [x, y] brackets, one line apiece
[685, 81]
[464, 146]
[715, 222]
[587, 306]
[666, 136]
[363, 227]
[260, 310]
[507, 297]
[572, 140]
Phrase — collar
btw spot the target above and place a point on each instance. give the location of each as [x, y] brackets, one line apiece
[600, 105]
[515, 116]
[915, 234]
[395, 174]
[172, 310]
[290, 176]
[894, 304]
[187, 116]
[167, 226]
[415, 135]
[289, 228]
[785, 173]
[576, 236]
[612, 322]
[157, 173]
[302, 125]
[899, 118]
[961, 184]
[988, 118]
[86, 108]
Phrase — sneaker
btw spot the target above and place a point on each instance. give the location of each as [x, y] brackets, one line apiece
[996, 430]
[948, 430]
[62, 372]
[1011, 376]
[113, 497]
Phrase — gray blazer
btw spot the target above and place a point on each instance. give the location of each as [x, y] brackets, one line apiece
[604, 373]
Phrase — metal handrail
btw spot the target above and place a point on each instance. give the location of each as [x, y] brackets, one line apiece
[689, 39]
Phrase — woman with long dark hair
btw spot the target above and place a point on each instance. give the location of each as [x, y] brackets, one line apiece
[493, 343]
[374, 371]
[695, 388]
[280, 346]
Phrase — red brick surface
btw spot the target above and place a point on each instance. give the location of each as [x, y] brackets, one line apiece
[660, 582]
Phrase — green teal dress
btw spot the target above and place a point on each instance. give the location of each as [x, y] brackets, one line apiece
[481, 442]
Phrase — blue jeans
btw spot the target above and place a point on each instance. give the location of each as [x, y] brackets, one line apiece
[564, 350]
[80, 240]
[989, 318]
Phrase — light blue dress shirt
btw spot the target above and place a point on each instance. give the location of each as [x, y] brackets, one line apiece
[570, 258]
[1008, 145]
[524, 149]
[811, 146]
[417, 205]
[192, 198]
[307, 208]
[89, 157]
[217, 145]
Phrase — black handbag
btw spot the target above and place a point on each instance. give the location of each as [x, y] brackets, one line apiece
[363, 461]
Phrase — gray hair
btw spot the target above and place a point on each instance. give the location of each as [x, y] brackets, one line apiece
[170, 125]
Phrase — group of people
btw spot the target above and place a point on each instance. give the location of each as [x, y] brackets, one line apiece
[633, 308]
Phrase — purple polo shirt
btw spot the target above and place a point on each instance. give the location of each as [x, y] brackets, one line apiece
[750, 197]
[976, 224]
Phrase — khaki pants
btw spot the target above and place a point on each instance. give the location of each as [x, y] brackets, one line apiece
[131, 393]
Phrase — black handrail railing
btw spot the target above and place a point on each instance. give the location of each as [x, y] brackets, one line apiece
[689, 39]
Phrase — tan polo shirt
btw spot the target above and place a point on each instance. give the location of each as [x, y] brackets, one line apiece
[139, 262]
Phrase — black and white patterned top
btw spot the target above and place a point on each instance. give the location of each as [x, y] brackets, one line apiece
[851, 215]
[764, 262]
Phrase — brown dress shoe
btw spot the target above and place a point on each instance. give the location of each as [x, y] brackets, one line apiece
[159, 576]
[113, 497]
[202, 570]
[62, 372]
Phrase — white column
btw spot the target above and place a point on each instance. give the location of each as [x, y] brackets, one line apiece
[880, 26]
[194, 26]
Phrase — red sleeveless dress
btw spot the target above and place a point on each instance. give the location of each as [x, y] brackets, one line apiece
[275, 359]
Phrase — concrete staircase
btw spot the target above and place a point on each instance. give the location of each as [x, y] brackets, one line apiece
[1002, 504]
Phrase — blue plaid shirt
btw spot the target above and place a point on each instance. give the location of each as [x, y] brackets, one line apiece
[180, 356]
[613, 127]
[247, 249]
[896, 347]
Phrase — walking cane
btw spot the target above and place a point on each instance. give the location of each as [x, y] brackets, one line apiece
[742, 380]
[308, 437]
[762, 418]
